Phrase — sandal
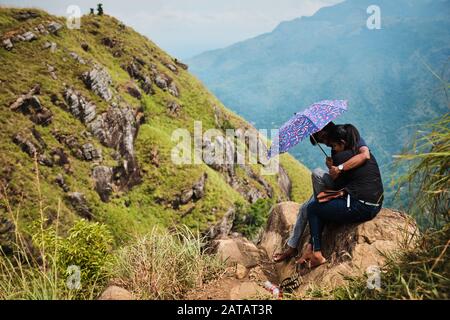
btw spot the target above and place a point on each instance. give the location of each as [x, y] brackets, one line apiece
[291, 283]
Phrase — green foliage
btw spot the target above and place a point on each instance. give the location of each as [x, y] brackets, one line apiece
[428, 175]
[422, 272]
[250, 219]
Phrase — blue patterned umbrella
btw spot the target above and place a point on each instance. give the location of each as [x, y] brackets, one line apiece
[304, 124]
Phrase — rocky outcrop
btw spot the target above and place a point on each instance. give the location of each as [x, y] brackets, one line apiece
[80, 204]
[30, 105]
[32, 148]
[222, 229]
[173, 108]
[78, 106]
[26, 15]
[98, 80]
[350, 249]
[195, 193]
[238, 250]
[103, 177]
[117, 128]
[284, 182]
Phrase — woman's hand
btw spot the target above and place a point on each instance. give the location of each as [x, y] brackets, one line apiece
[334, 172]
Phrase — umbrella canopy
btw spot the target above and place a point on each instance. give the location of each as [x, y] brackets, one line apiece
[304, 124]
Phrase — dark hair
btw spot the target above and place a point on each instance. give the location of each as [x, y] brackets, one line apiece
[348, 133]
[328, 129]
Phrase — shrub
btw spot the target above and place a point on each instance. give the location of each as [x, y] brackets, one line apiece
[250, 220]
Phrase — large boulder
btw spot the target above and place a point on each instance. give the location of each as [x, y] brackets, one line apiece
[350, 249]
[116, 293]
[238, 250]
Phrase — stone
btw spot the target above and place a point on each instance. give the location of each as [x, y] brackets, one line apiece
[238, 251]
[103, 177]
[248, 290]
[146, 85]
[284, 182]
[85, 46]
[32, 149]
[222, 229]
[98, 80]
[133, 91]
[29, 36]
[162, 81]
[79, 106]
[171, 67]
[109, 42]
[77, 58]
[7, 44]
[173, 89]
[29, 104]
[90, 152]
[54, 27]
[241, 271]
[61, 182]
[173, 108]
[59, 157]
[80, 204]
[350, 249]
[116, 293]
[26, 15]
[196, 192]
[181, 64]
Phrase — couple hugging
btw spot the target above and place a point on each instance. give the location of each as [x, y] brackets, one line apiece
[351, 192]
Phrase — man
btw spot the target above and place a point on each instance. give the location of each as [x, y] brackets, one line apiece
[322, 180]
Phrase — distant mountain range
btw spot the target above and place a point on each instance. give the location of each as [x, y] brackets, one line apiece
[384, 73]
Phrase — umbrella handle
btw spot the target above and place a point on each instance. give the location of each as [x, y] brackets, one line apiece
[319, 146]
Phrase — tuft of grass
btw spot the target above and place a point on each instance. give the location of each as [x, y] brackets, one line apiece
[418, 273]
[164, 265]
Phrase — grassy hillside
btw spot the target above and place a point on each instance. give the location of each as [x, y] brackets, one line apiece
[104, 41]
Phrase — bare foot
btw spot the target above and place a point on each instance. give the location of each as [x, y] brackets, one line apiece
[317, 259]
[289, 253]
[306, 256]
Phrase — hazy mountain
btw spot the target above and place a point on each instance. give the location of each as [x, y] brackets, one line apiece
[333, 55]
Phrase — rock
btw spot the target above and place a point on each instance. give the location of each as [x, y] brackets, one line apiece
[52, 72]
[238, 251]
[80, 204]
[61, 182]
[103, 177]
[146, 85]
[29, 36]
[133, 90]
[78, 106]
[41, 29]
[350, 249]
[59, 157]
[222, 229]
[54, 27]
[181, 64]
[116, 293]
[241, 271]
[111, 43]
[90, 152]
[98, 80]
[173, 108]
[161, 81]
[85, 46]
[29, 104]
[248, 290]
[26, 15]
[32, 149]
[77, 58]
[50, 45]
[284, 182]
[196, 192]
[7, 44]
[171, 67]
[117, 128]
[173, 89]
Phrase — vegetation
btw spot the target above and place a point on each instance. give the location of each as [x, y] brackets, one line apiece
[251, 219]
[163, 265]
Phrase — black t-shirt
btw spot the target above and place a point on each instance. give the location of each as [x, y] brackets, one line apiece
[363, 183]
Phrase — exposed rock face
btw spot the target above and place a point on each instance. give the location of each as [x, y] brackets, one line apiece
[284, 182]
[116, 293]
[7, 44]
[350, 249]
[173, 108]
[26, 15]
[61, 182]
[30, 105]
[78, 106]
[98, 80]
[223, 228]
[133, 91]
[90, 152]
[196, 192]
[31, 148]
[103, 177]
[117, 128]
[54, 27]
[80, 204]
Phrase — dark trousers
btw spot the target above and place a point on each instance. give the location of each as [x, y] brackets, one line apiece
[336, 211]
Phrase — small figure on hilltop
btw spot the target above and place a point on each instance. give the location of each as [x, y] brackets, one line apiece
[91, 11]
[100, 9]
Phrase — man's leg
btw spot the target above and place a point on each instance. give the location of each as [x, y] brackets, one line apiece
[321, 180]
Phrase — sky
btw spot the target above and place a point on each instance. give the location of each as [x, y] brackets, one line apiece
[185, 28]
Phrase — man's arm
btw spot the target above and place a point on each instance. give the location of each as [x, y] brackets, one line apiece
[354, 162]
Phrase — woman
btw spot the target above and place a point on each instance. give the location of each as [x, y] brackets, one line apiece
[363, 188]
